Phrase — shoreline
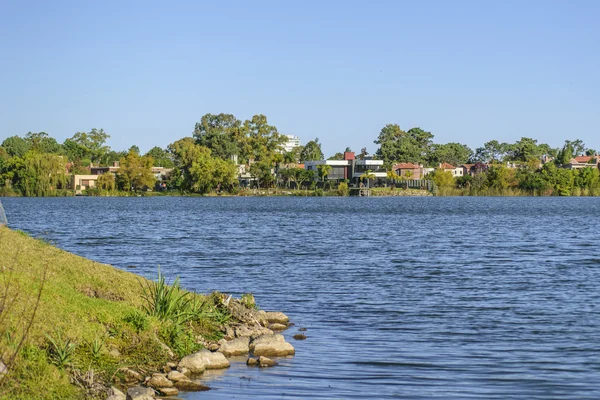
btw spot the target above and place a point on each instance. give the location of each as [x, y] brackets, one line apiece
[95, 333]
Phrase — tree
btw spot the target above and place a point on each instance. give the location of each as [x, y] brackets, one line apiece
[91, 145]
[261, 171]
[15, 146]
[363, 153]
[137, 170]
[442, 178]
[311, 151]
[197, 171]
[43, 143]
[524, 150]
[323, 171]
[565, 154]
[337, 156]
[221, 133]
[367, 175]
[38, 174]
[161, 157]
[452, 153]
[106, 182]
[399, 146]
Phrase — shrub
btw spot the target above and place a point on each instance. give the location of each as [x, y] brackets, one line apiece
[137, 320]
[343, 189]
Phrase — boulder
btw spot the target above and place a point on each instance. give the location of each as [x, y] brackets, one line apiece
[185, 371]
[190, 386]
[115, 394]
[271, 345]
[276, 317]
[252, 362]
[171, 391]
[302, 330]
[300, 336]
[235, 347]
[202, 360]
[132, 376]
[159, 381]
[251, 331]
[140, 393]
[177, 376]
[277, 327]
[266, 362]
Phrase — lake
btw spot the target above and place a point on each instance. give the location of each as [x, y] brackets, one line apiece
[408, 298]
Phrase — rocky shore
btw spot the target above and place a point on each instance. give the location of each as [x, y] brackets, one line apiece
[251, 332]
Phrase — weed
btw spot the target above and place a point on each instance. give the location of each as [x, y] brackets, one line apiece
[167, 303]
[95, 347]
[247, 299]
[60, 350]
[138, 320]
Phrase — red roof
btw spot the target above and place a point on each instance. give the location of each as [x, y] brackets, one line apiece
[405, 166]
[583, 159]
[447, 166]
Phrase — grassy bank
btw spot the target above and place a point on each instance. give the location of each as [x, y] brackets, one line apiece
[91, 320]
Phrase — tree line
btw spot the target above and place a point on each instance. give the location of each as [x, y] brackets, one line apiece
[38, 165]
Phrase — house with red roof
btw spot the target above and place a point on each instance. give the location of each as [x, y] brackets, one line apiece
[581, 162]
[455, 171]
[408, 170]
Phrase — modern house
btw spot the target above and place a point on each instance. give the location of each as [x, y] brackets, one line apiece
[83, 182]
[291, 143]
[350, 168]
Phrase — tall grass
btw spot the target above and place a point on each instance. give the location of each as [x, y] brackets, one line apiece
[166, 302]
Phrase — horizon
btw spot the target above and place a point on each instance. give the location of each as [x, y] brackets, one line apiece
[146, 73]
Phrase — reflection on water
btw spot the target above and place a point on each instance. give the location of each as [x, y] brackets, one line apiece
[416, 298]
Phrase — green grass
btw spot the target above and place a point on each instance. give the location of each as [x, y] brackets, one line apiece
[87, 312]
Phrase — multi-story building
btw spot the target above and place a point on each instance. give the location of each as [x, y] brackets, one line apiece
[350, 168]
[292, 143]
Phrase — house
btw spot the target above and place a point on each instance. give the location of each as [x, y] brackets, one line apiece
[102, 170]
[161, 173]
[350, 168]
[408, 170]
[455, 171]
[473, 169]
[581, 162]
[83, 182]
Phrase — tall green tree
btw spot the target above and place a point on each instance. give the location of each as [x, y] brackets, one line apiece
[15, 146]
[89, 145]
[38, 174]
[161, 157]
[311, 151]
[262, 141]
[222, 134]
[452, 153]
[396, 145]
[43, 143]
[137, 170]
[491, 152]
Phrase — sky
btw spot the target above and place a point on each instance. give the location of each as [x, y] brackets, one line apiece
[146, 72]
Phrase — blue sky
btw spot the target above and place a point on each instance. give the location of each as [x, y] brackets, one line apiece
[468, 71]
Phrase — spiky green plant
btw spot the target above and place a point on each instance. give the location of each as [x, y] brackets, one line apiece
[166, 302]
[60, 350]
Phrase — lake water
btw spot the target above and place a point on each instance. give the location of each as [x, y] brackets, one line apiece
[409, 298]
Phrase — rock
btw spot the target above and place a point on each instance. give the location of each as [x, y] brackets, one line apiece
[271, 345]
[115, 394]
[266, 362]
[159, 381]
[166, 349]
[300, 336]
[251, 331]
[235, 347]
[171, 391]
[140, 393]
[202, 360]
[277, 327]
[190, 386]
[252, 362]
[3, 369]
[302, 330]
[132, 376]
[115, 353]
[172, 365]
[177, 376]
[185, 371]
[276, 317]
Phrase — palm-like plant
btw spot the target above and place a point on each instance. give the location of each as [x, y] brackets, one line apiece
[368, 175]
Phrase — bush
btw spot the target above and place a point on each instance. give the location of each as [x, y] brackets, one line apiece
[137, 320]
[343, 189]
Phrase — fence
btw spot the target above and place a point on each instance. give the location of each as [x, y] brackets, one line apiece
[3, 220]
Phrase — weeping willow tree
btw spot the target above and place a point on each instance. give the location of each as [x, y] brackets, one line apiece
[40, 174]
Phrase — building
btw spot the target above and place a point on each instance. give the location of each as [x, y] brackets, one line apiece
[408, 170]
[102, 170]
[350, 168]
[455, 171]
[291, 143]
[80, 183]
[581, 162]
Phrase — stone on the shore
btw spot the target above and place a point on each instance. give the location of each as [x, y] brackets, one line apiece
[140, 393]
[252, 362]
[251, 331]
[190, 386]
[266, 362]
[115, 394]
[302, 330]
[299, 336]
[132, 376]
[177, 376]
[168, 391]
[202, 360]
[185, 371]
[277, 327]
[271, 345]
[158, 381]
[276, 317]
[235, 347]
